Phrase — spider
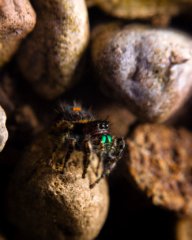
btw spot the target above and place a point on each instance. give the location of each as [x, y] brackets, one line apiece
[77, 129]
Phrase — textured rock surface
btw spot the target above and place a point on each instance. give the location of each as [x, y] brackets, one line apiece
[143, 9]
[160, 162]
[17, 19]
[47, 204]
[3, 129]
[50, 57]
[150, 70]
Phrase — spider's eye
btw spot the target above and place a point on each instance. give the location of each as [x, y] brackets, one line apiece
[103, 125]
[106, 139]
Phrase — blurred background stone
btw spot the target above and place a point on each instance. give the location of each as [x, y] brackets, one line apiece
[50, 57]
[159, 162]
[17, 20]
[148, 69]
[159, 11]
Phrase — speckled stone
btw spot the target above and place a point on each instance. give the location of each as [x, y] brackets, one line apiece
[159, 161]
[47, 204]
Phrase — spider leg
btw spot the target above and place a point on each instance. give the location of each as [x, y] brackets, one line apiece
[108, 164]
[54, 159]
[104, 174]
[115, 152]
[98, 180]
[87, 156]
[70, 146]
[119, 145]
[106, 171]
[100, 160]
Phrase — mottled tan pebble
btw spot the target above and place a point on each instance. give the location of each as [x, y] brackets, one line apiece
[150, 70]
[159, 161]
[49, 59]
[17, 19]
[47, 204]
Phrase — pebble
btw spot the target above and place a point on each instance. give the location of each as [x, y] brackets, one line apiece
[17, 20]
[159, 163]
[50, 58]
[149, 70]
[47, 204]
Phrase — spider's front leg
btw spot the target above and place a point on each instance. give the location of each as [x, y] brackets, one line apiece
[100, 161]
[65, 146]
[107, 168]
[106, 171]
[59, 142]
[70, 146]
[87, 147]
[109, 161]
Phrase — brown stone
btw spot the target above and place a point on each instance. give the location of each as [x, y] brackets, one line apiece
[159, 160]
[47, 204]
[159, 11]
[49, 58]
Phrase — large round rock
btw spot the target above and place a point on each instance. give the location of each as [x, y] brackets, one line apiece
[150, 70]
[47, 204]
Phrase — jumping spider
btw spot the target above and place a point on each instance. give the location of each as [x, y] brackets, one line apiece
[77, 129]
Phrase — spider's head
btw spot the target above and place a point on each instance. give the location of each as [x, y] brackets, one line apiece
[101, 127]
[98, 131]
[102, 140]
